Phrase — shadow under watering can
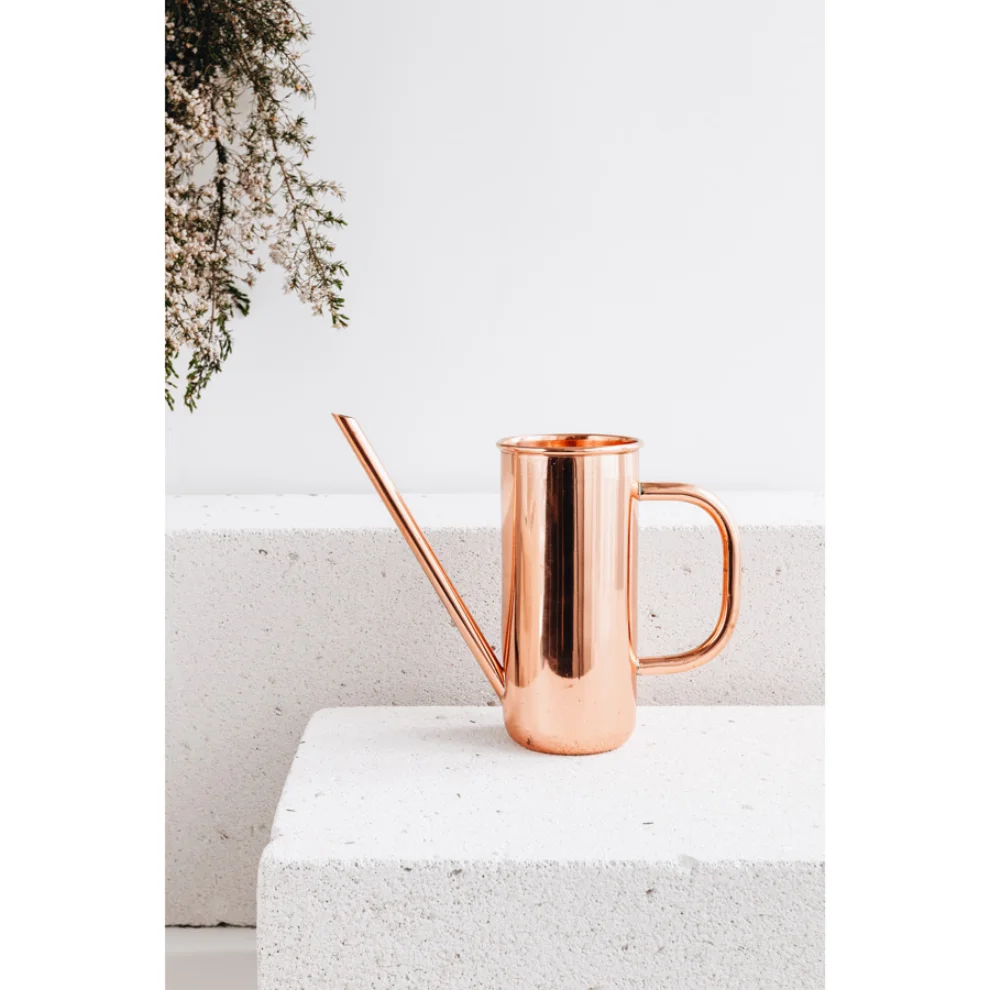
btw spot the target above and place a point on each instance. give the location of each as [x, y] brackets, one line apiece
[567, 682]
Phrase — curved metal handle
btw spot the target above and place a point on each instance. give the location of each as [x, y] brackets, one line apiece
[731, 568]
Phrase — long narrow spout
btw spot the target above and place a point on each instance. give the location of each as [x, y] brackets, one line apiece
[423, 552]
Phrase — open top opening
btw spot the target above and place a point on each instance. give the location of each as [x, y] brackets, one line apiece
[570, 444]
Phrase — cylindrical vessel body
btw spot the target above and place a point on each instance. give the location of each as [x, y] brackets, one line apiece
[569, 591]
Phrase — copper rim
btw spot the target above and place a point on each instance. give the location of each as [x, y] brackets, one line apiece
[570, 444]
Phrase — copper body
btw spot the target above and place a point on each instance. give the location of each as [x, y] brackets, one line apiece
[569, 563]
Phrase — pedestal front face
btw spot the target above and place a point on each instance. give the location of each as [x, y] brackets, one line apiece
[568, 587]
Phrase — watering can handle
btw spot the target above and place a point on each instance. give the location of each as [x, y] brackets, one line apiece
[720, 635]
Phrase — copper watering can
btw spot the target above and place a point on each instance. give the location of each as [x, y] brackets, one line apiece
[567, 680]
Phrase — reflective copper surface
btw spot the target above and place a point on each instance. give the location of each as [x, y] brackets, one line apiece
[569, 562]
[657, 491]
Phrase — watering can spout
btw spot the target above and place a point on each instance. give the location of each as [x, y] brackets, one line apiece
[423, 552]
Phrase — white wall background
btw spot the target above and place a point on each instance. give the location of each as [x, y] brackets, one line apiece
[563, 216]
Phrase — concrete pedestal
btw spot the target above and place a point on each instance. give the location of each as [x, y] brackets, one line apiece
[421, 848]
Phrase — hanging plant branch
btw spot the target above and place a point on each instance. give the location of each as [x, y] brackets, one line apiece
[235, 178]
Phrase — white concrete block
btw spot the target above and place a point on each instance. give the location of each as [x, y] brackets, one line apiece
[281, 605]
[419, 847]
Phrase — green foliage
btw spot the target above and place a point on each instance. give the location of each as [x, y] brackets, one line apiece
[234, 178]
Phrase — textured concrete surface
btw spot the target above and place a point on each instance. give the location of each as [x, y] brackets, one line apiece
[279, 606]
[421, 847]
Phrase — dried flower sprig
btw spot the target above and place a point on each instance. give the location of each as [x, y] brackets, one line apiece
[234, 177]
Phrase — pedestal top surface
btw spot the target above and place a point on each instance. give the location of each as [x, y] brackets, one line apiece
[708, 784]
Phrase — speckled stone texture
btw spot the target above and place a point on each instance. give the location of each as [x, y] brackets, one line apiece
[281, 605]
[418, 847]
